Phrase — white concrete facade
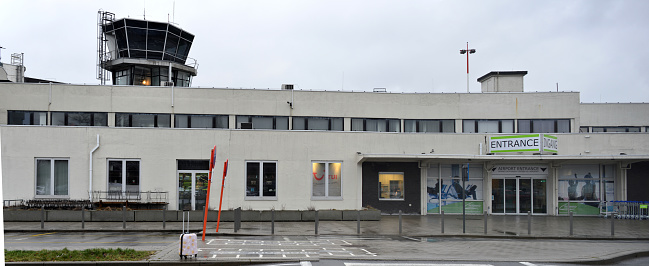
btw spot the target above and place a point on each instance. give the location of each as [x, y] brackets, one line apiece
[294, 151]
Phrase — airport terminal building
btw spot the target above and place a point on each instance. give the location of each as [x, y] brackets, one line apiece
[146, 140]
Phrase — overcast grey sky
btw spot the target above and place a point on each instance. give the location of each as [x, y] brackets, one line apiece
[595, 47]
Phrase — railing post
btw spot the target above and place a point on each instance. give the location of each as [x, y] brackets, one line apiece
[124, 217]
[485, 223]
[529, 223]
[272, 222]
[164, 217]
[400, 225]
[42, 217]
[442, 222]
[83, 217]
[571, 223]
[612, 224]
[317, 221]
[358, 222]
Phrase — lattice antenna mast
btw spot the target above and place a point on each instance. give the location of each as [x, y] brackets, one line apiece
[103, 53]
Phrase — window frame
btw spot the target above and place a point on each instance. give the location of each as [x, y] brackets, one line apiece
[248, 119]
[626, 129]
[31, 117]
[477, 121]
[326, 196]
[66, 121]
[124, 178]
[330, 122]
[261, 196]
[532, 121]
[439, 121]
[130, 120]
[52, 179]
[213, 116]
[403, 192]
[387, 124]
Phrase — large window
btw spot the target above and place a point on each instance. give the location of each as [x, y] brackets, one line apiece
[201, 121]
[261, 180]
[487, 126]
[318, 123]
[616, 129]
[51, 177]
[142, 120]
[27, 118]
[445, 188]
[124, 178]
[79, 119]
[376, 124]
[429, 126]
[262, 122]
[326, 180]
[543, 126]
[391, 186]
[586, 189]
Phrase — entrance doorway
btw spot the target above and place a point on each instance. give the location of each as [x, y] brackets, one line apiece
[518, 195]
[192, 189]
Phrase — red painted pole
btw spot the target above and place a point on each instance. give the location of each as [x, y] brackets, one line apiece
[225, 173]
[209, 185]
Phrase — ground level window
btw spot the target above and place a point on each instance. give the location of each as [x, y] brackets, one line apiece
[391, 186]
[326, 180]
[51, 177]
[123, 178]
[261, 180]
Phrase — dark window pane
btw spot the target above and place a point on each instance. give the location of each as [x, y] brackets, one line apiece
[410, 126]
[281, 123]
[270, 176]
[181, 121]
[143, 120]
[298, 123]
[183, 48]
[79, 119]
[156, 40]
[119, 23]
[337, 124]
[120, 34]
[135, 23]
[154, 55]
[123, 53]
[19, 118]
[164, 120]
[101, 120]
[136, 38]
[524, 126]
[115, 175]
[395, 125]
[132, 176]
[222, 121]
[193, 164]
[318, 123]
[187, 36]
[58, 119]
[173, 29]
[157, 26]
[252, 179]
[172, 45]
[358, 124]
[563, 126]
[138, 54]
[122, 120]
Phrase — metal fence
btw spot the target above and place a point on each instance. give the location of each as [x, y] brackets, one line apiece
[637, 210]
[133, 196]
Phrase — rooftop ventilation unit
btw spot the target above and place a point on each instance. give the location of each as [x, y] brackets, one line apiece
[380, 90]
[287, 86]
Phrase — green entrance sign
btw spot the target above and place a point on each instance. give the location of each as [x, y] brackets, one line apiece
[643, 206]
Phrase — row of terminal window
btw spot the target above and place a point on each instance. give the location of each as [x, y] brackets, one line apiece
[304, 123]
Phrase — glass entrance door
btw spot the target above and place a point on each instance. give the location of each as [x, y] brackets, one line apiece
[518, 196]
[192, 190]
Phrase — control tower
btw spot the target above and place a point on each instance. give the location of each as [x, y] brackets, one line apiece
[144, 53]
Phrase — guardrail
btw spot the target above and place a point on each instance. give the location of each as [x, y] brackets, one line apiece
[132, 196]
[637, 210]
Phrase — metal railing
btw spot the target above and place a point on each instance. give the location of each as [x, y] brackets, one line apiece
[631, 209]
[135, 196]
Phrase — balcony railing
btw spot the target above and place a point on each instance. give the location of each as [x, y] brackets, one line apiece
[131, 196]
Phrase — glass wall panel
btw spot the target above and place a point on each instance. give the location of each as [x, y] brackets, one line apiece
[184, 191]
[281, 122]
[252, 179]
[299, 123]
[498, 195]
[488, 126]
[156, 40]
[391, 186]
[318, 181]
[539, 196]
[58, 119]
[334, 178]
[395, 125]
[136, 38]
[143, 120]
[115, 178]
[468, 126]
[316, 123]
[270, 179]
[337, 124]
[511, 198]
[43, 175]
[60, 177]
[357, 124]
[172, 44]
[409, 126]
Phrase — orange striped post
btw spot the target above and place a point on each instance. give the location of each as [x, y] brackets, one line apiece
[209, 185]
[225, 173]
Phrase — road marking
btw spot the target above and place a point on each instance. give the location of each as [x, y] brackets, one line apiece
[414, 264]
[43, 234]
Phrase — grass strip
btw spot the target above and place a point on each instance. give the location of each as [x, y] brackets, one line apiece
[95, 254]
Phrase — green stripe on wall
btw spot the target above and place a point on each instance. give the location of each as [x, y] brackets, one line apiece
[516, 137]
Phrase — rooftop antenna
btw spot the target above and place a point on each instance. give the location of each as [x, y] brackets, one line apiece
[173, 18]
[1, 54]
[144, 9]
